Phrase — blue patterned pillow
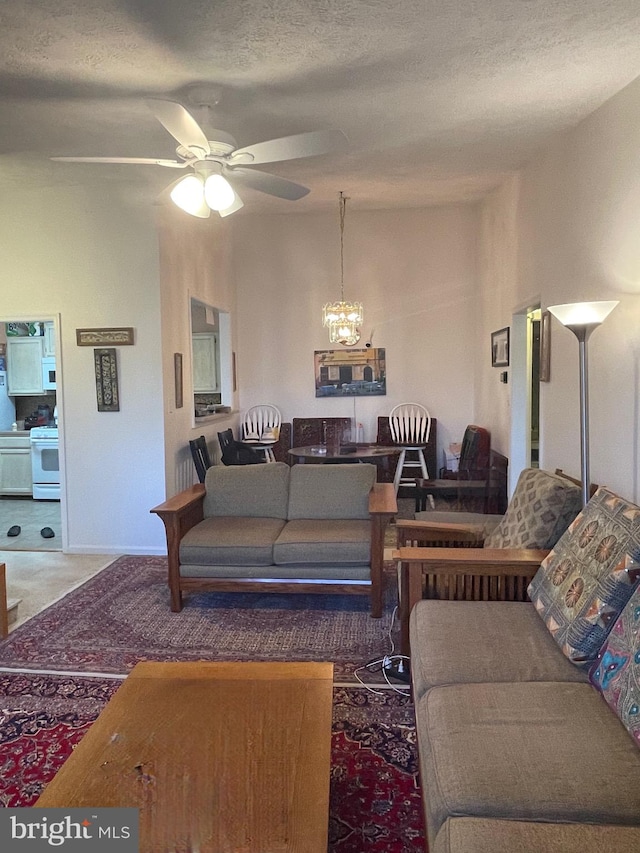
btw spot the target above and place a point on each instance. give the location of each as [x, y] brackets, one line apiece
[582, 586]
[616, 670]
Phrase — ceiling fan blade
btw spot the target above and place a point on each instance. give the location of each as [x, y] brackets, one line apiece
[291, 147]
[265, 183]
[181, 125]
[237, 204]
[149, 161]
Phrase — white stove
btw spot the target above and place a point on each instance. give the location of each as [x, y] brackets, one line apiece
[45, 463]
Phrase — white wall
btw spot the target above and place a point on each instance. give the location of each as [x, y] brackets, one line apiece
[195, 258]
[498, 298]
[414, 271]
[84, 255]
[577, 216]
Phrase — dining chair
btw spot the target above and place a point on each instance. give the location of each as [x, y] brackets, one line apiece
[261, 427]
[200, 454]
[410, 425]
[235, 453]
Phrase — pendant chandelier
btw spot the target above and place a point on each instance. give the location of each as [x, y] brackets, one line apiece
[344, 319]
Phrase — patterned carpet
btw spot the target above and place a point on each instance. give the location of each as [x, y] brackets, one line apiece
[122, 616]
[374, 801]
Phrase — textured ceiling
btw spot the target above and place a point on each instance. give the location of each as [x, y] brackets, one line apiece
[440, 99]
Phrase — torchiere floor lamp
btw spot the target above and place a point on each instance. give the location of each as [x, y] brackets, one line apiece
[582, 318]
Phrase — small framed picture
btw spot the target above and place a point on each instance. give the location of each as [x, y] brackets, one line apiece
[177, 378]
[106, 369]
[500, 348]
[545, 347]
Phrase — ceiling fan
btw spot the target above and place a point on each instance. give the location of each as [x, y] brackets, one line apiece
[219, 166]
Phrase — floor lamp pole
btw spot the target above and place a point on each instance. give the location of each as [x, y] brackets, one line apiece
[582, 318]
[582, 333]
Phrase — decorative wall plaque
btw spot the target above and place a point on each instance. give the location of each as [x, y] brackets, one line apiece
[106, 380]
[96, 337]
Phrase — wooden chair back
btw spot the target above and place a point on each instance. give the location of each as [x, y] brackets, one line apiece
[200, 454]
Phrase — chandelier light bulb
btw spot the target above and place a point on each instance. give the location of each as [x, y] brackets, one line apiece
[218, 193]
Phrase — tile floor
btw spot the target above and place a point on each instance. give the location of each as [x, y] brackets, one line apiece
[31, 516]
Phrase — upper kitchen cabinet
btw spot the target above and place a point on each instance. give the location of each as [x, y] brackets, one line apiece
[49, 340]
[205, 362]
[24, 365]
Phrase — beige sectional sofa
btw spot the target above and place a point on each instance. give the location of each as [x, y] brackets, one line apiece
[528, 713]
[309, 528]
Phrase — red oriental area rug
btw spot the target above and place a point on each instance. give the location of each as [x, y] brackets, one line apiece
[375, 799]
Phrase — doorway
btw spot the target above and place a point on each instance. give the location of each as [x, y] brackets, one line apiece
[526, 438]
[29, 524]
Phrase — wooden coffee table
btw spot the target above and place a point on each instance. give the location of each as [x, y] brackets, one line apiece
[218, 757]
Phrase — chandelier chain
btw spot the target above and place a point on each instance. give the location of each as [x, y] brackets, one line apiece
[343, 210]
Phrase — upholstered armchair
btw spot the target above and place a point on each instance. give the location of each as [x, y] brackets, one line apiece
[482, 560]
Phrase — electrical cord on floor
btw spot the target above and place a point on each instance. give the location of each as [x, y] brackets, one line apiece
[384, 664]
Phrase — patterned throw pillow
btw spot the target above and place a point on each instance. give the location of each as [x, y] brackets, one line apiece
[616, 670]
[541, 508]
[582, 586]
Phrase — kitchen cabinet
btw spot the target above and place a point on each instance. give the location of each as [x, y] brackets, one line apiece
[15, 464]
[49, 339]
[205, 368]
[24, 365]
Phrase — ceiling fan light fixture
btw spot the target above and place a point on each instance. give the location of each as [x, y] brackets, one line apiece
[188, 195]
[218, 193]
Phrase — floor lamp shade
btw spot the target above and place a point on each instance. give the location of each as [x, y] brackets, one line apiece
[582, 318]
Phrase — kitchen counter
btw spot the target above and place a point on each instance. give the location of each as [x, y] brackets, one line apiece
[4, 432]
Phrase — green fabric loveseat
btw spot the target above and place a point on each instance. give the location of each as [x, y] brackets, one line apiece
[308, 528]
[528, 713]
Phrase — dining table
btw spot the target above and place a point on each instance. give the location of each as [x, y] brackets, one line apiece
[323, 454]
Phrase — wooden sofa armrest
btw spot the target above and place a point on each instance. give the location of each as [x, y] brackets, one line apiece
[383, 505]
[431, 534]
[462, 574]
[479, 561]
[382, 500]
[179, 514]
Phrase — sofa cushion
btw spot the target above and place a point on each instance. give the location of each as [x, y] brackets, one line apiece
[481, 835]
[231, 541]
[456, 642]
[529, 751]
[543, 505]
[330, 491]
[319, 541]
[260, 491]
[616, 670]
[583, 584]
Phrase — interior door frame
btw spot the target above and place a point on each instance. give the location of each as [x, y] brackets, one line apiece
[55, 318]
[521, 371]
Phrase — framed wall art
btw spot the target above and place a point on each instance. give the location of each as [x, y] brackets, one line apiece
[177, 378]
[106, 368]
[545, 347]
[97, 337]
[350, 373]
[500, 348]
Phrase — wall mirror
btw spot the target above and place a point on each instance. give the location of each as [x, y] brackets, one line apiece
[210, 360]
